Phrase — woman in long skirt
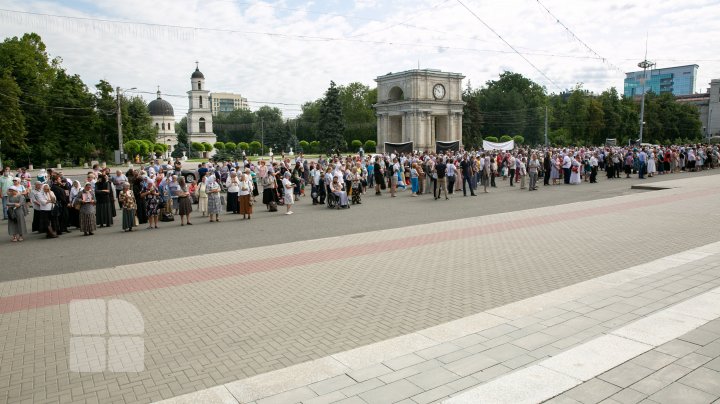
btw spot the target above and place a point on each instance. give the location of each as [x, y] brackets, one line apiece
[184, 202]
[87, 202]
[202, 198]
[269, 189]
[233, 188]
[246, 188]
[17, 210]
[137, 188]
[151, 196]
[212, 188]
[127, 200]
[74, 211]
[104, 202]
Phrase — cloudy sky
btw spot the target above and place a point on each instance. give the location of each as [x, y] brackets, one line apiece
[286, 52]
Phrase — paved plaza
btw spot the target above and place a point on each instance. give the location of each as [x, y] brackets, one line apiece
[570, 294]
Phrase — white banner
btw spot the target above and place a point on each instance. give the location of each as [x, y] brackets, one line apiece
[498, 146]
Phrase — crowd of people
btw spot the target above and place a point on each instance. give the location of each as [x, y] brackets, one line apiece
[158, 192]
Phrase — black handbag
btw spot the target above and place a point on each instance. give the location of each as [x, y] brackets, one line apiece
[56, 210]
[12, 215]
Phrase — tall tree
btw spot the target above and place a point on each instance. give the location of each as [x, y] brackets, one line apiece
[472, 118]
[356, 100]
[270, 126]
[12, 120]
[331, 128]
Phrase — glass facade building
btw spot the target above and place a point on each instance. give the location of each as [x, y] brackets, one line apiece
[226, 102]
[678, 80]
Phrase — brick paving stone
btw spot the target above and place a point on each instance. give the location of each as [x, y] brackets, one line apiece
[707, 380]
[626, 374]
[653, 359]
[680, 393]
[392, 392]
[628, 396]
[592, 391]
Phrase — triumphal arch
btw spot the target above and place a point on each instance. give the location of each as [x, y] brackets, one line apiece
[419, 110]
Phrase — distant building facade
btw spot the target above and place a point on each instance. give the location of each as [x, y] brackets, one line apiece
[419, 106]
[678, 81]
[199, 116]
[709, 105]
[163, 119]
[227, 102]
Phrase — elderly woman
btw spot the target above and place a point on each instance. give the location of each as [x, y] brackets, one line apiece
[184, 202]
[151, 196]
[202, 197]
[245, 195]
[87, 202]
[212, 188]
[46, 202]
[288, 192]
[233, 190]
[337, 189]
[269, 184]
[127, 201]
[16, 210]
[103, 193]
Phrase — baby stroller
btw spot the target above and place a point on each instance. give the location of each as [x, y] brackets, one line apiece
[356, 192]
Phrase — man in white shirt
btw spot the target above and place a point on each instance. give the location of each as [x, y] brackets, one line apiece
[566, 166]
[593, 168]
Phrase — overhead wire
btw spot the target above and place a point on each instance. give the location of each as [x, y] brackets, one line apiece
[509, 45]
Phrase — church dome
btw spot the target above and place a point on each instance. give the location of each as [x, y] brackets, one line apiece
[160, 107]
[197, 74]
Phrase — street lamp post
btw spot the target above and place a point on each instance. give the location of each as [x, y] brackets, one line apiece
[645, 64]
[120, 92]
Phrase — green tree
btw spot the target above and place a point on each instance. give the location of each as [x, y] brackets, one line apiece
[472, 118]
[221, 146]
[198, 147]
[505, 138]
[305, 145]
[270, 122]
[12, 120]
[255, 146]
[370, 146]
[229, 146]
[242, 146]
[307, 121]
[236, 126]
[356, 144]
[518, 139]
[331, 128]
[491, 139]
[356, 102]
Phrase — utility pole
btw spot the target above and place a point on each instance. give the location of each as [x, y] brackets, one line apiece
[119, 126]
[645, 64]
[546, 126]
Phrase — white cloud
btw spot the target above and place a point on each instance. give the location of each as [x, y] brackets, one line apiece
[386, 36]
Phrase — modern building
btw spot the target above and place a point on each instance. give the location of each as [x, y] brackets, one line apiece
[678, 80]
[709, 105]
[227, 102]
[199, 116]
[419, 108]
[163, 119]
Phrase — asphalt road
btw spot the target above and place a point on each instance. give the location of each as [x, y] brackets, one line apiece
[110, 247]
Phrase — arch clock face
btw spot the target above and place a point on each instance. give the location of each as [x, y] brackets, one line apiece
[439, 91]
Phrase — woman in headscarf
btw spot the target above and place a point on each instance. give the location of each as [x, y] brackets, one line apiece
[212, 188]
[233, 189]
[337, 189]
[87, 201]
[104, 201]
[17, 210]
[151, 196]
[74, 210]
[46, 202]
[269, 184]
[138, 186]
[127, 201]
[202, 197]
[288, 192]
[63, 204]
[245, 195]
[184, 202]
